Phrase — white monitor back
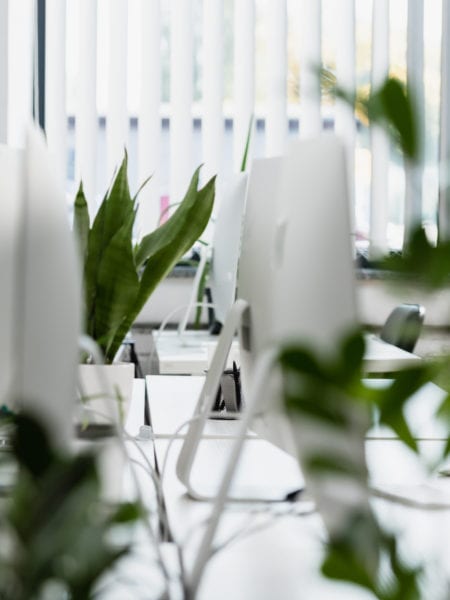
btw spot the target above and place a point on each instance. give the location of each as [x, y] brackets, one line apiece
[44, 300]
[226, 245]
[256, 262]
[314, 281]
[296, 269]
[225, 248]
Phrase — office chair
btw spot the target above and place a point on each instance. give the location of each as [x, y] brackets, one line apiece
[403, 326]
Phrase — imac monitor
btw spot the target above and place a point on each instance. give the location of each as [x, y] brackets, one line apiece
[301, 288]
[295, 284]
[225, 250]
[40, 304]
[226, 245]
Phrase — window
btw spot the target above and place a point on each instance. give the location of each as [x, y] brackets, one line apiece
[188, 74]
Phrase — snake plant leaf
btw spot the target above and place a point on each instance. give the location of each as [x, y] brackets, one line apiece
[95, 247]
[81, 222]
[117, 288]
[121, 205]
[115, 210]
[151, 243]
[177, 235]
[167, 244]
[141, 187]
[247, 146]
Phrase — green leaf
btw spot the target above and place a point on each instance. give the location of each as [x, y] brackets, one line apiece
[342, 565]
[120, 203]
[141, 187]
[421, 262]
[29, 435]
[165, 246]
[392, 106]
[59, 527]
[247, 145]
[399, 110]
[151, 243]
[326, 464]
[81, 222]
[117, 289]
[391, 401]
[127, 513]
[301, 360]
[116, 209]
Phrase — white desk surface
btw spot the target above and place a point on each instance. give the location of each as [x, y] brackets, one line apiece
[280, 559]
[173, 399]
[192, 353]
[280, 554]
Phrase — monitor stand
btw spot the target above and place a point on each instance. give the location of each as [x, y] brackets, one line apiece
[262, 370]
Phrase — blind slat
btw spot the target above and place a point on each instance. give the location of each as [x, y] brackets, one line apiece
[117, 117]
[55, 84]
[149, 131]
[345, 125]
[444, 141]
[181, 93]
[415, 68]
[20, 78]
[276, 120]
[310, 59]
[213, 76]
[86, 110]
[379, 139]
[244, 75]
[3, 70]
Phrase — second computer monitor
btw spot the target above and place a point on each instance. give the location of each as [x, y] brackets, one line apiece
[296, 268]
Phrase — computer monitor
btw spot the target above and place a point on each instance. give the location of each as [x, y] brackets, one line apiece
[307, 283]
[299, 289]
[40, 303]
[255, 265]
[226, 245]
[225, 248]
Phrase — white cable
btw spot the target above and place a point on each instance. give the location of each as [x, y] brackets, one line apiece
[398, 499]
[153, 538]
[157, 483]
[166, 320]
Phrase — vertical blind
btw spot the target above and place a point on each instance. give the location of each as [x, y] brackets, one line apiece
[173, 23]
[379, 138]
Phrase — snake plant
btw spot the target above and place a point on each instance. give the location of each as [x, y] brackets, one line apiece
[120, 276]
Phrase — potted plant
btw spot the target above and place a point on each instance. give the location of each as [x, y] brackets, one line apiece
[119, 275]
[59, 534]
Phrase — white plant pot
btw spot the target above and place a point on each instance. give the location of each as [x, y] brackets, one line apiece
[106, 393]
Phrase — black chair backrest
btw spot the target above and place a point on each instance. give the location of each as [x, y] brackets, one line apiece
[403, 326]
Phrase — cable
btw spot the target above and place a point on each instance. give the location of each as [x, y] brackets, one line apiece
[249, 530]
[398, 499]
[153, 538]
[166, 320]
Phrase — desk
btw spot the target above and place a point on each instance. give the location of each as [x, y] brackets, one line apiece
[192, 354]
[280, 559]
[173, 399]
